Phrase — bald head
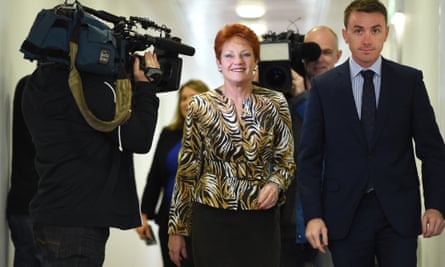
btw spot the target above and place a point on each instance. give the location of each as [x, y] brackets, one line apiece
[327, 39]
[322, 34]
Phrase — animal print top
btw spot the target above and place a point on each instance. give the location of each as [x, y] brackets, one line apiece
[224, 160]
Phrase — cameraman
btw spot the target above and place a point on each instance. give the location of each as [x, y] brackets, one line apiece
[86, 176]
[327, 39]
[296, 97]
[295, 250]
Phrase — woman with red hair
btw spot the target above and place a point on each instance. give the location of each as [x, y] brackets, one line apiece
[235, 163]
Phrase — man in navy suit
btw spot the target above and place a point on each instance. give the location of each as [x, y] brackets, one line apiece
[360, 187]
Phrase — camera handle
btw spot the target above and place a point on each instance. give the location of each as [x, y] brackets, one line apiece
[152, 74]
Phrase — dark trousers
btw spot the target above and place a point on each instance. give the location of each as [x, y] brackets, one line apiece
[227, 238]
[71, 246]
[296, 255]
[26, 252]
[302, 255]
[288, 256]
[371, 236]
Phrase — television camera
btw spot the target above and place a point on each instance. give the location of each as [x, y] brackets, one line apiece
[166, 47]
[279, 54]
[102, 49]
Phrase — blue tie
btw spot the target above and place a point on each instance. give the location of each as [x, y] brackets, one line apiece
[368, 105]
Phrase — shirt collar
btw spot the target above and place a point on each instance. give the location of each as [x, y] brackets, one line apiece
[356, 68]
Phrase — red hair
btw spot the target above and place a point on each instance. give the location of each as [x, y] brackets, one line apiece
[239, 30]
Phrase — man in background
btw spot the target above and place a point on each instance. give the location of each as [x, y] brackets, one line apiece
[327, 39]
[301, 253]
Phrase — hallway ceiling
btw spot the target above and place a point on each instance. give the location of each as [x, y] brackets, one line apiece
[196, 22]
[206, 17]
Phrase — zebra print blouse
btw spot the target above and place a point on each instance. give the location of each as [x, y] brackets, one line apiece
[224, 160]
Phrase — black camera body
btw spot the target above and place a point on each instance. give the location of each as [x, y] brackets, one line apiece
[169, 74]
[279, 54]
[101, 49]
[275, 65]
[166, 47]
[168, 57]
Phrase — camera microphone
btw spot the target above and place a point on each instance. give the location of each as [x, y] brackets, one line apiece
[310, 51]
[174, 46]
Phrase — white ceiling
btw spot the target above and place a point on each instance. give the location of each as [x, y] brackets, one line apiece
[206, 17]
[200, 20]
[196, 22]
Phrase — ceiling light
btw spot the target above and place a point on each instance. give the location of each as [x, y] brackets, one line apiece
[250, 9]
[259, 27]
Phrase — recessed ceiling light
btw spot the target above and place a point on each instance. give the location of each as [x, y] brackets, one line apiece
[250, 9]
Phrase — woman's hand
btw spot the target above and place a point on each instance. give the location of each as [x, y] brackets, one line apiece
[176, 249]
[268, 196]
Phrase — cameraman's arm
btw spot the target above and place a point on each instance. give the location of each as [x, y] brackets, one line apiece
[298, 95]
[137, 133]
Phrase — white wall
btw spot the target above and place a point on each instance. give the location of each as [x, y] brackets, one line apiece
[441, 69]
[12, 68]
[420, 48]
[5, 103]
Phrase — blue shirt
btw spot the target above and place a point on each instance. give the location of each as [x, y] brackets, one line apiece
[357, 81]
[301, 228]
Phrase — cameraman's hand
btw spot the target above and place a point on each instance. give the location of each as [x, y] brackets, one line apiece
[297, 84]
[144, 230]
[151, 61]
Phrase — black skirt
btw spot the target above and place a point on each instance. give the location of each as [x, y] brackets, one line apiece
[227, 238]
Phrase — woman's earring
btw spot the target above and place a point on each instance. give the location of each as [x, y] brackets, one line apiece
[219, 69]
[254, 71]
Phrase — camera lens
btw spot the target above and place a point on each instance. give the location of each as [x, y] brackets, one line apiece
[276, 77]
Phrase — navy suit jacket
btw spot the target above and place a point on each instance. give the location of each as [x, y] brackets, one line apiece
[335, 162]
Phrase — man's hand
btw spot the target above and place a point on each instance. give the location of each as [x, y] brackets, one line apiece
[297, 84]
[144, 230]
[317, 234]
[432, 223]
[151, 61]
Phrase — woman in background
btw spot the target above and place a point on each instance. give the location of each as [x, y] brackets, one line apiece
[235, 163]
[162, 174]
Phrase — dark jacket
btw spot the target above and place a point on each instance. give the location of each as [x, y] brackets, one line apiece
[24, 177]
[292, 221]
[288, 217]
[85, 179]
[157, 179]
[334, 153]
